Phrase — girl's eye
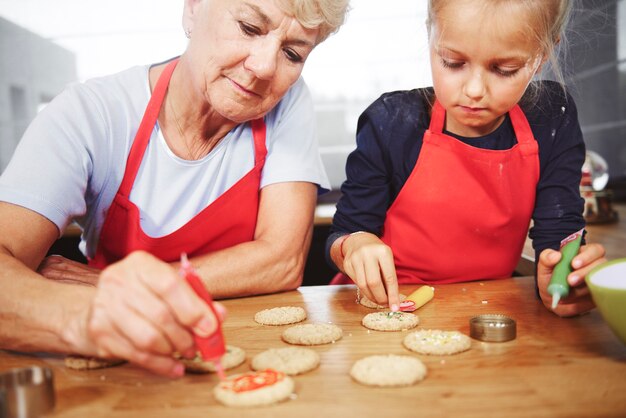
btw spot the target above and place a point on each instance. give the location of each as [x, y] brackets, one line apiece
[505, 73]
[451, 64]
[248, 29]
[292, 55]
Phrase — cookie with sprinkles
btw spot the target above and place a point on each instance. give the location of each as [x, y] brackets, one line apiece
[289, 360]
[363, 300]
[388, 370]
[312, 334]
[254, 389]
[232, 358]
[390, 321]
[437, 342]
[280, 316]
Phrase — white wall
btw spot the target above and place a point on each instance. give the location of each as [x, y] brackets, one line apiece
[32, 70]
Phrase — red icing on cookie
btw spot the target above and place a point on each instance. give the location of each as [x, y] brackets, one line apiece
[256, 380]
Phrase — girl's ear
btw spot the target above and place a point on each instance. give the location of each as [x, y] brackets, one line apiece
[544, 56]
[542, 60]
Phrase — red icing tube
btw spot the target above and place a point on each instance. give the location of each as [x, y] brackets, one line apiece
[211, 348]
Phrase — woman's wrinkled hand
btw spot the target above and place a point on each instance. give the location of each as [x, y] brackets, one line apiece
[369, 263]
[61, 269]
[144, 312]
[579, 299]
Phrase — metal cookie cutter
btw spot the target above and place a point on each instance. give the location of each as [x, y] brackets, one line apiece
[493, 328]
[26, 393]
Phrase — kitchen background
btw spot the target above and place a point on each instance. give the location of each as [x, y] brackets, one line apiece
[45, 45]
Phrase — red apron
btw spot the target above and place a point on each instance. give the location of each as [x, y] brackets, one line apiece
[464, 212]
[229, 220]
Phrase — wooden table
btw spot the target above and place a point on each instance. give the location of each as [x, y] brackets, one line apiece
[555, 368]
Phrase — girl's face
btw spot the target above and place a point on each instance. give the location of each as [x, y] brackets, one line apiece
[244, 54]
[482, 61]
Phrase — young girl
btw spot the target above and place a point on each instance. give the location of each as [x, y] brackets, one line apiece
[445, 180]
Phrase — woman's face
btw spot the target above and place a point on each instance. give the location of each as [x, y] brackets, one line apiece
[244, 55]
[482, 62]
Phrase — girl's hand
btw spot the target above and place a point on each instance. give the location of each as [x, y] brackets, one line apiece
[143, 312]
[369, 263]
[579, 299]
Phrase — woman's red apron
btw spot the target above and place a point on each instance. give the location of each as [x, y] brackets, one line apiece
[229, 220]
[464, 212]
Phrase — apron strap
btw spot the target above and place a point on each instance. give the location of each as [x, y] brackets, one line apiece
[259, 135]
[146, 127]
[523, 133]
[438, 118]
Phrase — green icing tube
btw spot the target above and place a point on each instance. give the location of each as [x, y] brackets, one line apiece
[558, 287]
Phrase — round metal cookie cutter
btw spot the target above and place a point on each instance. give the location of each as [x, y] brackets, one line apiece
[493, 328]
[26, 392]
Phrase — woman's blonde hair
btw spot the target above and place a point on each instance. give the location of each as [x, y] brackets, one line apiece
[327, 15]
[547, 20]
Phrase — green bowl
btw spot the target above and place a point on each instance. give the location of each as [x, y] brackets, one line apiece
[607, 283]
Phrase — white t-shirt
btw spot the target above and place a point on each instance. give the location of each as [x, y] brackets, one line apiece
[71, 159]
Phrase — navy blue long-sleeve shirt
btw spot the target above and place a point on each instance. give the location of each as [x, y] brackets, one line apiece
[389, 139]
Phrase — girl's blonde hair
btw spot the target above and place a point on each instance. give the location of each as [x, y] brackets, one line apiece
[327, 15]
[547, 20]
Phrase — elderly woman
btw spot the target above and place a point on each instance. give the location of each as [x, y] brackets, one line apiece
[212, 154]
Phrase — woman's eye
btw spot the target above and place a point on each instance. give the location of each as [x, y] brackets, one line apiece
[292, 55]
[451, 64]
[249, 29]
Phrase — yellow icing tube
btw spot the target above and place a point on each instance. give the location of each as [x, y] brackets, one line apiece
[421, 296]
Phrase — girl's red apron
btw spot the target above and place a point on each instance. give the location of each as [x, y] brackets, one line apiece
[229, 220]
[464, 212]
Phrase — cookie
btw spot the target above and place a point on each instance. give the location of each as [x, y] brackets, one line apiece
[312, 334]
[77, 362]
[390, 321]
[289, 360]
[254, 389]
[437, 342]
[280, 316]
[363, 300]
[233, 357]
[388, 370]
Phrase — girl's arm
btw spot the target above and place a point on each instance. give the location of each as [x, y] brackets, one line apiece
[366, 196]
[559, 206]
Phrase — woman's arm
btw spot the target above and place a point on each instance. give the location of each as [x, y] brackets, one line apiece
[30, 318]
[274, 261]
[141, 311]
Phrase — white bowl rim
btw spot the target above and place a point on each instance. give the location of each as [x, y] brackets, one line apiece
[598, 275]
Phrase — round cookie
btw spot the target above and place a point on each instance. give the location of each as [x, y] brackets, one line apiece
[233, 357]
[254, 389]
[437, 342]
[390, 321]
[289, 360]
[388, 370]
[312, 334]
[90, 363]
[363, 300]
[280, 316]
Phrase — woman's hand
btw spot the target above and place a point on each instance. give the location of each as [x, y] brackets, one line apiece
[369, 263]
[144, 312]
[61, 269]
[579, 299]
